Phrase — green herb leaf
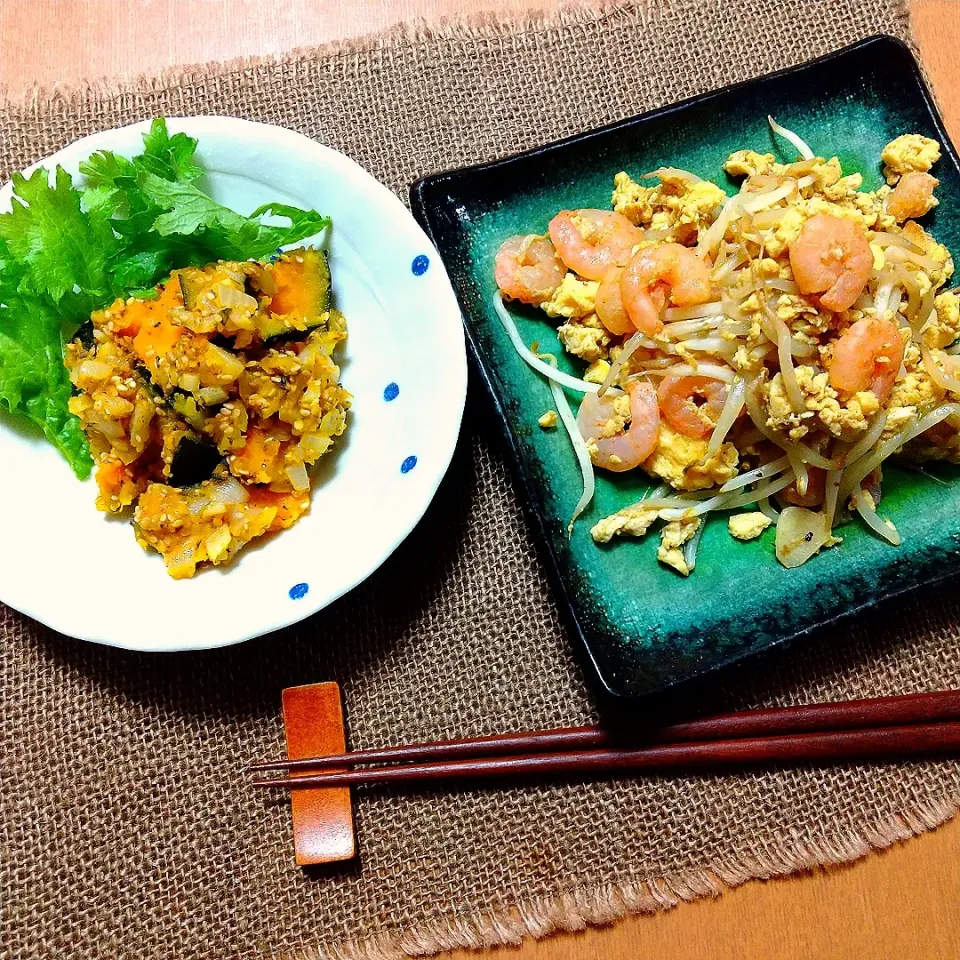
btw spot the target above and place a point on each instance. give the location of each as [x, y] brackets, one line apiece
[61, 246]
[226, 235]
[64, 254]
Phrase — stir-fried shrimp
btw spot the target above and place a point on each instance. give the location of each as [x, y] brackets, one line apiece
[626, 449]
[656, 273]
[609, 304]
[832, 257]
[692, 405]
[767, 350]
[528, 269]
[912, 196]
[589, 242]
[867, 356]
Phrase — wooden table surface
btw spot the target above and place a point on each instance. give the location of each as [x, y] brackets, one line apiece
[903, 904]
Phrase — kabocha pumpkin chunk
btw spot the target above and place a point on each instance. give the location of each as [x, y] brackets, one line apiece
[296, 293]
[206, 404]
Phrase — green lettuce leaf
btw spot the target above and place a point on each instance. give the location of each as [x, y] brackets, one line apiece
[33, 380]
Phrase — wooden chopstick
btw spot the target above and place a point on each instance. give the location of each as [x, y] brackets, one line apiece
[841, 715]
[857, 744]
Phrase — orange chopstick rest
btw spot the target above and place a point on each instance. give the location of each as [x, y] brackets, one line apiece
[322, 819]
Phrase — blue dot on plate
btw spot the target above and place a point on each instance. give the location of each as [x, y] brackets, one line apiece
[299, 591]
[390, 392]
[408, 464]
[419, 265]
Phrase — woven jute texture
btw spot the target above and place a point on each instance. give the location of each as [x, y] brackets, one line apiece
[126, 828]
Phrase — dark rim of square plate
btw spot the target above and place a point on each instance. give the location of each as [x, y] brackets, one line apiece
[421, 207]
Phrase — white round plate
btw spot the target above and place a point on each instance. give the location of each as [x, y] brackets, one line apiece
[71, 567]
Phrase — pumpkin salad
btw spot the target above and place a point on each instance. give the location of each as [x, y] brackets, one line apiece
[169, 342]
[205, 406]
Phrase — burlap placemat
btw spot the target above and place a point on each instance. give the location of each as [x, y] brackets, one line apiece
[126, 830]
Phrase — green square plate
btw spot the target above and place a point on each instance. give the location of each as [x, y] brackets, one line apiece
[643, 626]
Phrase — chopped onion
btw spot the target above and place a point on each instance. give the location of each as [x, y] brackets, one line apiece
[800, 167]
[211, 396]
[190, 382]
[95, 369]
[759, 473]
[229, 491]
[791, 138]
[732, 408]
[232, 297]
[143, 412]
[109, 428]
[581, 386]
[579, 446]
[298, 477]
[800, 534]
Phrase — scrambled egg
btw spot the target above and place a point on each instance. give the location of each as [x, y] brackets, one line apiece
[915, 394]
[846, 419]
[778, 238]
[944, 324]
[597, 371]
[573, 298]
[748, 163]
[937, 252]
[632, 521]
[548, 420]
[678, 460]
[911, 151]
[748, 526]
[632, 200]
[672, 538]
[585, 338]
[674, 204]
